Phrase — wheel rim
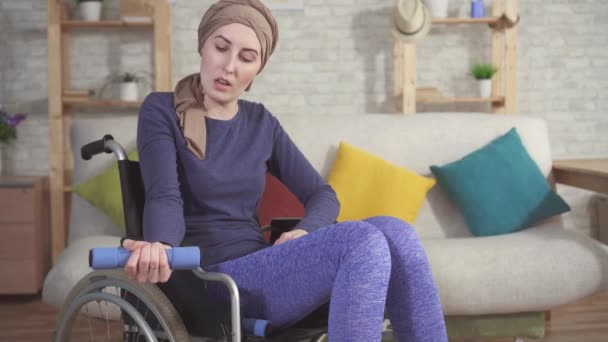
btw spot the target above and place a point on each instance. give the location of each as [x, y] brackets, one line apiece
[109, 308]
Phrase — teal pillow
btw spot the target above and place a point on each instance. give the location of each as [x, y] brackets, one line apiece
[499, 188]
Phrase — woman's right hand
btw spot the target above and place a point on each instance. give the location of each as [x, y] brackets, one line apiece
[148, 261]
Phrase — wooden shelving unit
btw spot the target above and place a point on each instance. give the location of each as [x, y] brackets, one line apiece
[102, 104]
[79, 24]
[504, 55]
[487, 20]
[496, 100]
[61, 110]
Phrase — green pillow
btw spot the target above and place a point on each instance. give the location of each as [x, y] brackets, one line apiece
[103, 191]
[499, 188]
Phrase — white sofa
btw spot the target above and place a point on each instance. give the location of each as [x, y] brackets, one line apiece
[535, 270]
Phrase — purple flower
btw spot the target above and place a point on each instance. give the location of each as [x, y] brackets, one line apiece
[8, 126]
[14, 120]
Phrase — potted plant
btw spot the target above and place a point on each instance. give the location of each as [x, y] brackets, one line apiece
[128, 86]
[483, 73]
[8, 130]
[90, 10]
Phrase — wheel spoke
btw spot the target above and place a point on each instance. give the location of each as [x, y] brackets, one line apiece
[107, 320]
[143, 311]
[86, 309]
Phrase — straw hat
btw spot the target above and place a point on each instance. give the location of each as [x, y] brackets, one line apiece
[412, 20]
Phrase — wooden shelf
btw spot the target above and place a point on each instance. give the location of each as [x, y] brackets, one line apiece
[74, 24]
[103, 103]
[494, 100]
[503, 56]
[484, 20]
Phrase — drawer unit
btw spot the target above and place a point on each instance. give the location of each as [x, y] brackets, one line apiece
[25, 235]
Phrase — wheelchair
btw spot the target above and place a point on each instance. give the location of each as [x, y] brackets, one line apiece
[121, 309]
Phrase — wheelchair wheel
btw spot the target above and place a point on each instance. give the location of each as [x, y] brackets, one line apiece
[109, 306]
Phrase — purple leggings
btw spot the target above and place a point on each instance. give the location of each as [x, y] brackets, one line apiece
[360, 267]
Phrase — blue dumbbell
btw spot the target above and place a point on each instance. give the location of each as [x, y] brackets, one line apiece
[180, 258]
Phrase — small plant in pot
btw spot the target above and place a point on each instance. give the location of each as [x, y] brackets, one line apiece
[483, 73]
[90, 10]
[128, 86]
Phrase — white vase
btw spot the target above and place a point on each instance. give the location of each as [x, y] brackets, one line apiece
[128, 91]
[90, 10]
[485, 88]
[438, 8]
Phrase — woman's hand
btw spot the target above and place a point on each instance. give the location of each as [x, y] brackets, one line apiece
[148, 261]
[291, 235]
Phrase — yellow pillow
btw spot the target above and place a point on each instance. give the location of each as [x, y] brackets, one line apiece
[103, 191]
[368, 185]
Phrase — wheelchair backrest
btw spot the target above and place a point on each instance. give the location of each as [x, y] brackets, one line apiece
[133, 197]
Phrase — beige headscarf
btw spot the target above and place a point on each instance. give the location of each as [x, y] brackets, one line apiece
[189, 93]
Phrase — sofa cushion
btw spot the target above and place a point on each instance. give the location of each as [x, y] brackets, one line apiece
[499, 188]
[367, 186]
[103, 191]
[536, 269]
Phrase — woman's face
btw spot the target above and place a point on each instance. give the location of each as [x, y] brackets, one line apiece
[230, 60]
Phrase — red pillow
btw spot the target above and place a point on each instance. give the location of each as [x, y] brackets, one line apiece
[278, 201]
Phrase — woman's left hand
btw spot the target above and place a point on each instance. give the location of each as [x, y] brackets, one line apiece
[291, 235]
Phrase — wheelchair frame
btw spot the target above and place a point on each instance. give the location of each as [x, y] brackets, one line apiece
[132, 196]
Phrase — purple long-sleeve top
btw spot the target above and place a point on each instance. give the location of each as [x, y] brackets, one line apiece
[212, 202]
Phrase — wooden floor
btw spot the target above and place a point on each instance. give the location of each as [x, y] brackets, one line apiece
[26, 319]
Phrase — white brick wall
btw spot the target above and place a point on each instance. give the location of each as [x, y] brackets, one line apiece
[335, 56]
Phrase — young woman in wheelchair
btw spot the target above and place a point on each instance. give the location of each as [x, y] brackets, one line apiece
[203, 155]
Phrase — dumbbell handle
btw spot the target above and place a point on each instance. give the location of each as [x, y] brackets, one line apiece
[179, 258]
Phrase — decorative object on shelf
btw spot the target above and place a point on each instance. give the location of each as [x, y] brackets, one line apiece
[477, 9]
[483, 73]
[412, 20]
[90, 10]
[77, 95]
[136, 10]
[438, 8]
[8, 131]
[128, 86]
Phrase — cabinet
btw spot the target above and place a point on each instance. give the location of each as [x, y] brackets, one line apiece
[61, 109]
[504, 55]
[25, 243]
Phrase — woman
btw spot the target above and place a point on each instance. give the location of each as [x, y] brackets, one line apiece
[204, 154]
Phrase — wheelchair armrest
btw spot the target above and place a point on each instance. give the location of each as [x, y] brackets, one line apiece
[279, 226]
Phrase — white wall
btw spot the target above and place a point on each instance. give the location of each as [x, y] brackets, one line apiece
[333, 57]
